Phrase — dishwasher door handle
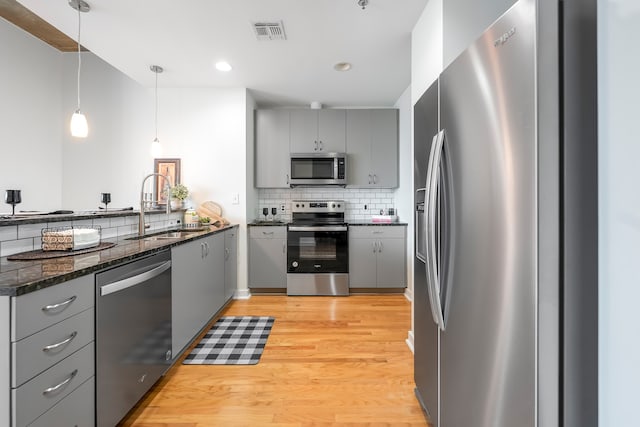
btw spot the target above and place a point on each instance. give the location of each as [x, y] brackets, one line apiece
[135, 280]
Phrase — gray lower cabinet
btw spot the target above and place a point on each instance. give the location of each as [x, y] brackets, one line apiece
[372, 148]
[197, 287]
[317, 131]
[230, 263]
[52, 356]
[377, 256]
[268, 257]
[272, 148]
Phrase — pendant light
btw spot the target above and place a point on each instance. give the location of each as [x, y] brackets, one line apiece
[156, 147]
[79, 127]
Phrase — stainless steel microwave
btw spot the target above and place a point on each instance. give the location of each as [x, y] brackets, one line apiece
[318, 169]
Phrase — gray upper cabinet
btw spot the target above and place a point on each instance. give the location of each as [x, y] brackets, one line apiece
[272, 148]
[318, 131]
[372, 148]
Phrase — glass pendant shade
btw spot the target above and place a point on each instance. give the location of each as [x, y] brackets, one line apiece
[79, 126]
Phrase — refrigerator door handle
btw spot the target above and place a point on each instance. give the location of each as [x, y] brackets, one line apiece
[427, 245]
[432, 227]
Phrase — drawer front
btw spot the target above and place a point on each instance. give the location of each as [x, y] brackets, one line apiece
[39, 351]
[269, 232]
[36, 396]
[75, 410]
[378, 232]
[37, 310]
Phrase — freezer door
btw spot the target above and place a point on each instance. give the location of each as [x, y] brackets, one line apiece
[425, 330]
[488, 346]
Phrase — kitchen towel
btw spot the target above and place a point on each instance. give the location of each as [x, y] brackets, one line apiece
[233, 340]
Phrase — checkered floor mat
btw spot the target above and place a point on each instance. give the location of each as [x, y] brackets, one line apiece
[233, 340]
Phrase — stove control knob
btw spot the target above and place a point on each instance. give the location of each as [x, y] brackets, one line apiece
[333, 205]
[303, 205]
[294, 264]
[338, 204]
[297, 205]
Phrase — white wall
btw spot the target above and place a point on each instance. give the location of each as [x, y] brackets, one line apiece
[115, 156]
[426, 49]
[619, 211]
[404, 194]
[30, 129]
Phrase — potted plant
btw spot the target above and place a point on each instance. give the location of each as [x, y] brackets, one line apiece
[178, 193]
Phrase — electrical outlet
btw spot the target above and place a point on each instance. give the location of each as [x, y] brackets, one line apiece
[365, 207]
[282, 208]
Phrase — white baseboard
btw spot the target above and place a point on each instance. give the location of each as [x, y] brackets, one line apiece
[242, 294]
[408, 294]
[409, 341]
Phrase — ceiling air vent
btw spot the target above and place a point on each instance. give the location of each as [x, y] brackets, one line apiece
[269, 30]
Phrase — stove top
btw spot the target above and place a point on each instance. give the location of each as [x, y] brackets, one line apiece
[318, 212]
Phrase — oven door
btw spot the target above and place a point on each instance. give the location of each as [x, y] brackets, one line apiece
[317, 249]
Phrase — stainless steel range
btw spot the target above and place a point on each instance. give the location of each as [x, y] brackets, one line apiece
[317, 248]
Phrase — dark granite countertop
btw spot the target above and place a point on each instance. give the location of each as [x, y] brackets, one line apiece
[266, 223]
[36, 218]
[377, 224]
[21, 277]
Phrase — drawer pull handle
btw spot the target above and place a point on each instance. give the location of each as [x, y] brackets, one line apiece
[268, 233]
[58, 305]
[377, 232]
[61, 343]
[62, 384]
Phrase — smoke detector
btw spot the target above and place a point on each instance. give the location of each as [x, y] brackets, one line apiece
[273, 30]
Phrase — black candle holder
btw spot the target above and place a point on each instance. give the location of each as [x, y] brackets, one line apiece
[106, 199]
[12, 197]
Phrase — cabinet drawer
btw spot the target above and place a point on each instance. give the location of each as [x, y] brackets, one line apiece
[36, 396]
[38, 352]
[269, 232]
[77, 409]
[35, 311]
[377, 232]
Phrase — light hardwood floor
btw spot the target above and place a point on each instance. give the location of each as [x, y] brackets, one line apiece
[329, 361]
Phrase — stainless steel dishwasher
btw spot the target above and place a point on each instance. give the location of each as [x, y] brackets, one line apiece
[133, 333]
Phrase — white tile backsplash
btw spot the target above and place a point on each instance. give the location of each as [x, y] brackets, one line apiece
[16, 246]
[8, 232]
[30, 230]
[356, 199]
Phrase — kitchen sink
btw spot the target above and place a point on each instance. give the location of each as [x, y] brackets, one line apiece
[167, 235]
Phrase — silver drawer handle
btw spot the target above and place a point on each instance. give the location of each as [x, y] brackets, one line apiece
[377, 232]
[268, 233]
[62, 384]
[61, 343]
[58, 305]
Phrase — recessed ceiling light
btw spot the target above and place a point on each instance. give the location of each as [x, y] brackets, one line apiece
[223, 66]
[342, 66]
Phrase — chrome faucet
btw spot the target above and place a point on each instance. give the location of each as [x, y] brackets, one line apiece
[167, 187]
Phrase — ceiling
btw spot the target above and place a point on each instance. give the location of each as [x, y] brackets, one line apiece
[188, 38]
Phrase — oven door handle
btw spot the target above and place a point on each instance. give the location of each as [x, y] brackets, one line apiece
[318, 228]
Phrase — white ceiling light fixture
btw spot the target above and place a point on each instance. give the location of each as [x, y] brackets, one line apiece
[223, 66]
[363, 3]
[79, 126]
[342, 66]
[156, 147]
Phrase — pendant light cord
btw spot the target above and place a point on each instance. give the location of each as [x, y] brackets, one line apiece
[79, 56]
[156, 105]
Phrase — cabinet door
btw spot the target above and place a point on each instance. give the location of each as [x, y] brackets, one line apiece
[359, 170]
[332, 131]
[230, 263]
[188, 284]
[272, 148]
[214, 258]
[267, 261]
[384, 148]
[362, 263]
[391, 263]
[304, 131]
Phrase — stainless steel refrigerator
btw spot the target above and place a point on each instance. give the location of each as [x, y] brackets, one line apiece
[495, 205]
